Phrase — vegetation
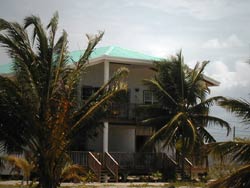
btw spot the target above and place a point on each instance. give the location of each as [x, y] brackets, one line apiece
[182, 113]
[38, 105]
[19, 165]
[237, 151]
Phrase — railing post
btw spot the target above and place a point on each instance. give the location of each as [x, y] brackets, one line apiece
[95, 165]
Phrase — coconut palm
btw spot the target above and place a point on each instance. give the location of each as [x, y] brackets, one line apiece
[237, 150]
[38, 104]
[182, 112]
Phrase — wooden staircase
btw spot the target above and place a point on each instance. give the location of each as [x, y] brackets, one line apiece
[107, 176]
[104, 167]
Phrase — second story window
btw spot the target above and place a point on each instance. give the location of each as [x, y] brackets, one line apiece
[87, 91]
[149, 97]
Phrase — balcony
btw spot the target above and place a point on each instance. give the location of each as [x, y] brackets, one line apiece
[131, 111]
[122, 111]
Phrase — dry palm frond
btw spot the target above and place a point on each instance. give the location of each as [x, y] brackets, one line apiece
[72, 172]
[238, 179]
[19, 163]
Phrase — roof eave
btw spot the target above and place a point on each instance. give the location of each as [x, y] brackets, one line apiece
[211, 81]
[120, 60]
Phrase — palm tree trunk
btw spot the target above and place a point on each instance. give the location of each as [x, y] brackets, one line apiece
[48, 181]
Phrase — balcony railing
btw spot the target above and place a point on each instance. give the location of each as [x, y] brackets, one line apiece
[122, 111]
[131, 111]
[140, 160]
[79, 157]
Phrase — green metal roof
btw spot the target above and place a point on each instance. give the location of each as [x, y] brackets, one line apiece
[5, 68]
[111, 51]
[114, 51]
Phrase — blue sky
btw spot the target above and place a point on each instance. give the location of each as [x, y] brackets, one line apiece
[215, 30]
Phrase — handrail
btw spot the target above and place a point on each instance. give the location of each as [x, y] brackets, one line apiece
[186, 164]
[188, 161]
[110, 156]
[188, 167]
[170, 159]
[111, 165]
[95, 165]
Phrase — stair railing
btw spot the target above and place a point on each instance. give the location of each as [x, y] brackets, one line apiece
[185, 164]
[95, 165]
[169, 162]
[188, 167]
[111, 165]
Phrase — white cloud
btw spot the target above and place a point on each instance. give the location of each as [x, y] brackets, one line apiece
[233, 83]
[201, 10]
[230, 42]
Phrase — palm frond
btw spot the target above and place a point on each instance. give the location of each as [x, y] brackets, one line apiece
[73, 172]
[240, 107]
[53, 24]
[237, 150]
[113, 86]
[20, 163]
[205, 135]
[156, 84]
[211, 120]
[93, 40]
[238, 179]
[168, 130]
[39, 32]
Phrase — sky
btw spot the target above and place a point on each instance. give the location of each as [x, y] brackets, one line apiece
[214, 30]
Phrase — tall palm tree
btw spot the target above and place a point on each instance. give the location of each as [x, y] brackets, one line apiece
[38, 105]
[182, 112]
[238, 150]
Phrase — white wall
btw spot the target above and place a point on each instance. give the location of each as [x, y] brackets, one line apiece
[135, 77]
[121, 138]
[94, 76]
[96, 144]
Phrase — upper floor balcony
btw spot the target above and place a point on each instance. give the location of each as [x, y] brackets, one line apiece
[128, 112]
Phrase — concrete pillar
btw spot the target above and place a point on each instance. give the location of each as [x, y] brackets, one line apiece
[106, 71]
[106, 124]
[105, 136]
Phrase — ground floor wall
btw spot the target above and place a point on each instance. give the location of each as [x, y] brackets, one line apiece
[121, 138]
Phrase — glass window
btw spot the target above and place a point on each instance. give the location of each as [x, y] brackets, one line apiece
[149, 97]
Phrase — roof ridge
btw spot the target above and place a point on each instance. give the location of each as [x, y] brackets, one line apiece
[138, 52]
[110, 49]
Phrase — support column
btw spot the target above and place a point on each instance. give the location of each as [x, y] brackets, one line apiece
[106, 124]
[105, 136]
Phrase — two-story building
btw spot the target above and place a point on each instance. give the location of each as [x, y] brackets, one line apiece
[116, 146]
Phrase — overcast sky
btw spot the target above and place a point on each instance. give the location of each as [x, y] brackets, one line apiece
[215, 30]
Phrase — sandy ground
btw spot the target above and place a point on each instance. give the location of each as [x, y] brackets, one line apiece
[104, 185]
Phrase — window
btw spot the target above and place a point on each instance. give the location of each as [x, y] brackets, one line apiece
[87, 91]
[149, 97]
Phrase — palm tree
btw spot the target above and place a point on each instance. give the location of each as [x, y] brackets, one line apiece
[38, 105]
[237, 150]
[182, 112]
